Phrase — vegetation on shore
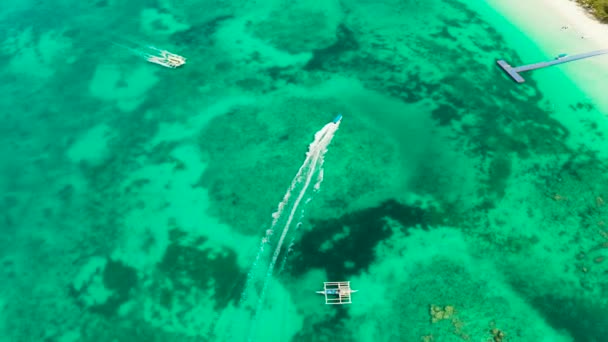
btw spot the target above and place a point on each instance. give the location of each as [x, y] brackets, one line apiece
[599, 8]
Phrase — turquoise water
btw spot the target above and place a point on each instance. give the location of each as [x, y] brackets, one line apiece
[137, 200]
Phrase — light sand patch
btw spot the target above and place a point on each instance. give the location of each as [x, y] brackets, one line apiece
[70, 336]
[89, 282]
[125, 87]
[184, 316]
[92, 147]
[312, 280]
[174, 131]
[404, 261]
[170, 200]
[278, 321]
[36, 56]
[236, 39]
[9, 6]
[3, 316]
[154, 22]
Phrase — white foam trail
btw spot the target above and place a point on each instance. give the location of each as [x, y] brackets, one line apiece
[316, 164]
[134, 51]
[311, 166]
[293, 238]
[138, 49]
[318, 151]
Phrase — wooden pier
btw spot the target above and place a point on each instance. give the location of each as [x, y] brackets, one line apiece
[513, 72]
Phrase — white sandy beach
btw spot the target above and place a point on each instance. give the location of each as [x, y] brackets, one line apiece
[563, 26]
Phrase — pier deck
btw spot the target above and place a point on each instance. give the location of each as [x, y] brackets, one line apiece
[513, 72]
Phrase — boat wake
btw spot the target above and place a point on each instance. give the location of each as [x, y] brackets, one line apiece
[152, 54]
[298, 194]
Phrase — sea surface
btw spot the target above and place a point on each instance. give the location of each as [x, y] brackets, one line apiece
[211, 201]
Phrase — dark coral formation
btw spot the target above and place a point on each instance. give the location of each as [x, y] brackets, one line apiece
[361, 231]
[186, 265]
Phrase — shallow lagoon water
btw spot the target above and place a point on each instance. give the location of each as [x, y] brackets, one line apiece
[459, 204]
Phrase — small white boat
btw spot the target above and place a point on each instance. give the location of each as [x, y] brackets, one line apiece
[337, 292]
[165, 58]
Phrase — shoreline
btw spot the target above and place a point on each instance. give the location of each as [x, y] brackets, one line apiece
[565, 27]
[583, 31]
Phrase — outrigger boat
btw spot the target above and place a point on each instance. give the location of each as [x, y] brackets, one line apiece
[337, 292]
[165, 58]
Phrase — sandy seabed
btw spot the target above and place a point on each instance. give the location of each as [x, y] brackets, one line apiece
[463, 207]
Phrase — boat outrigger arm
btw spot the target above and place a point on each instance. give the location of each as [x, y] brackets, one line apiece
[337, 292]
